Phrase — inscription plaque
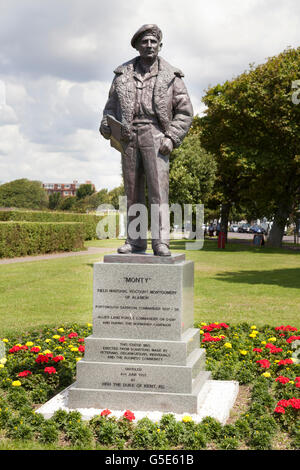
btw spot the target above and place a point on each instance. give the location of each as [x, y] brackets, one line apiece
[133, 301]
[151, 351]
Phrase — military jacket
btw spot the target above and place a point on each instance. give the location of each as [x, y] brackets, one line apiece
[171, 102]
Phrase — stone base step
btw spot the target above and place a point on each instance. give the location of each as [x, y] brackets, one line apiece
[148, 401]
[141, 377]
[216, 399]
[142, 351]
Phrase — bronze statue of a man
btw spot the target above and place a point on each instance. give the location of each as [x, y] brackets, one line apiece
[149, 98]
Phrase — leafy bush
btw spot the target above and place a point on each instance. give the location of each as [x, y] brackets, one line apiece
[78, 434]
[106, 430]
[48, 432]
[260, 440]
[17, 397]
[31, 238]
[174, 429]
[212, 428]
[23, 193]
[89, 221]
[148, 435]
[17, 429]
[229, 443]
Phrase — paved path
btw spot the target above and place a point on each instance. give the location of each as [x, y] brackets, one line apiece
[92, 250]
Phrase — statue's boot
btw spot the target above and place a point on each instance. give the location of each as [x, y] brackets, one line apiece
[127, 249]
[161, 250]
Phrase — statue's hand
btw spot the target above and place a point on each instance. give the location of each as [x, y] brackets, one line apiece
[105, 130]
[166, 146]
[125, 133]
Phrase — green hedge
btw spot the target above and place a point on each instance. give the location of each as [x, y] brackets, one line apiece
[32, 238]
[90, 221]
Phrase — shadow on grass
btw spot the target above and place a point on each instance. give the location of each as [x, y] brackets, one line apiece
[277, 277]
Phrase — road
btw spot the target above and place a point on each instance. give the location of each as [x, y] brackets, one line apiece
[249, 236]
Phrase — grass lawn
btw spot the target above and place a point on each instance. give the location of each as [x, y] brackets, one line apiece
[240, 283]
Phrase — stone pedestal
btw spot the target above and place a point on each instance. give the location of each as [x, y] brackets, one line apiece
[144, 353]
[2, 350]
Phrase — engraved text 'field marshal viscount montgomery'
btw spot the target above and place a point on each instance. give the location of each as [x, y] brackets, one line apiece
[149, 100]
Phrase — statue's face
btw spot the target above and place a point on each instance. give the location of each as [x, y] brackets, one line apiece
[148, 46]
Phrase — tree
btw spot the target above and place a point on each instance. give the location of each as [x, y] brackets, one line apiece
[84, 190]
[114, 194]
[92, 202]
[252, 125]
[232, 178]
[192, 173]
[23, 193]
[54, 200]
[67, 203]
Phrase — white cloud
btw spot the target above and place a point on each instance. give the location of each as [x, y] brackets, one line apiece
[57, 59]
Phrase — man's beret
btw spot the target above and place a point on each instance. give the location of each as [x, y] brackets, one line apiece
[146, 28]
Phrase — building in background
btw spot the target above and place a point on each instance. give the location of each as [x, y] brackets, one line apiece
[65, 189]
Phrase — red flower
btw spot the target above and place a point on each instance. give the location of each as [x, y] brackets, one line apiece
[80, 340]
[81, 348]
[17, 348]
[62, 339]
[283, 403]
[35, 349]
[264, 363]
[292, 338]
[283, 362]
[73, 335]
[269, 345]
[105, 412]
[282, 380]
[208, 338]
[279, 409]
[275, 350]
[129, 415]
[58, 358]
[214, 326]
[224, 325]
[259, 350]
[44, 358]
[24, 373]
[50, 370]
[14, 349]
[285, 328]
[293, 402]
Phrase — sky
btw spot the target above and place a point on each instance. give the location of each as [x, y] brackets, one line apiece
[57, 59]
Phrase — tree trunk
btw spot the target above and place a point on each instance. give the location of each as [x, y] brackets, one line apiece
[280, 219]
[225, 209]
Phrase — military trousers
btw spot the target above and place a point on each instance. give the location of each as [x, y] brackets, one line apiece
[144, 166]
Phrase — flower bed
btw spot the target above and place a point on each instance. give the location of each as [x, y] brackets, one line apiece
[39, 365]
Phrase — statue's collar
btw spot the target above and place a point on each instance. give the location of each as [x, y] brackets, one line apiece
[163, 66]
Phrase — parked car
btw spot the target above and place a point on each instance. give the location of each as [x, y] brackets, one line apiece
[233, 228]
[257, 229]
[244, 228]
